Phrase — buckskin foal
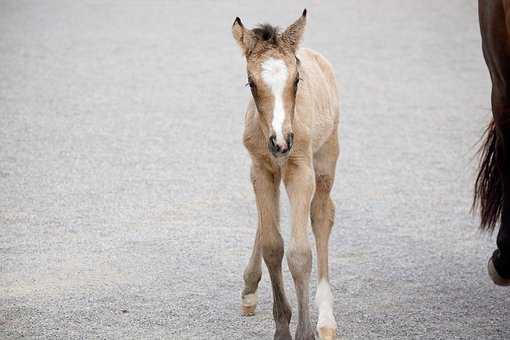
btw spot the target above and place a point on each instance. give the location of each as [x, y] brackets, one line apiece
[291, 134]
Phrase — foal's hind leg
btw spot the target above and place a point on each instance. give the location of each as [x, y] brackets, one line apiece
[323, 215]
[251, 276]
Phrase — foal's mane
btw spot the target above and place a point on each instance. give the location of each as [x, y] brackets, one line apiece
[267, 32]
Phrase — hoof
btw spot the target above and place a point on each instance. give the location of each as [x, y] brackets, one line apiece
[327, 333]
[496, 278]
[249, 304]
[248, 310]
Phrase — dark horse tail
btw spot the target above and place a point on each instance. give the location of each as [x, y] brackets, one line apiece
[488, 196]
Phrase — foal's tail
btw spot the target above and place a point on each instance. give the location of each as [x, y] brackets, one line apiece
[488, 196]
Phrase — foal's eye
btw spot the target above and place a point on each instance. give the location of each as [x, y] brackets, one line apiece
[250, 83]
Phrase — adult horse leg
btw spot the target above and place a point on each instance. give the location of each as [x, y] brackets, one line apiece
[499, 264]
[323, 216]
[492, 188]
[266, 187]
[300, 183]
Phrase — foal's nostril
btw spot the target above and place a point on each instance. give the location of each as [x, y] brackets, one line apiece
[272, 144]
[290, 140]
[272, 140]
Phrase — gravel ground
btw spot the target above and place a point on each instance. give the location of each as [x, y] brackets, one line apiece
[126, 209]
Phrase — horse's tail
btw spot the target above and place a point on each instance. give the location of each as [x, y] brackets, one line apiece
[488, 196]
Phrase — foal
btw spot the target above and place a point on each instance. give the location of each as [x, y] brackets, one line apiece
[291, 134]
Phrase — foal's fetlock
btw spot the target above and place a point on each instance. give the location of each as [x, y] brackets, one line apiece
[282, 334]
[305, 332]
[285, 315]
[282, 320]
[282, 331]
[251, 278]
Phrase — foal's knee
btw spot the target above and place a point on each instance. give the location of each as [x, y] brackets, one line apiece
[252, 276]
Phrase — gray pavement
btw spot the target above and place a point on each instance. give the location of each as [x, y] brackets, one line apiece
[126, 210]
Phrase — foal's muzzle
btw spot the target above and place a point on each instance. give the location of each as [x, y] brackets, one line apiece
[279, 149]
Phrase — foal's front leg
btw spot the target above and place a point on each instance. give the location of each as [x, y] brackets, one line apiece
[269, 244]
[300, 183]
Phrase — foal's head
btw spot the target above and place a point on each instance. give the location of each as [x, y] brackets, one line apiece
[273, 77]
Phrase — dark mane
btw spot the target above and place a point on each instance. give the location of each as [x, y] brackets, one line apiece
[266, 32]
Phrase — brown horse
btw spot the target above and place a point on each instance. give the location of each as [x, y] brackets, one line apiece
[291, 134]
[492, 187]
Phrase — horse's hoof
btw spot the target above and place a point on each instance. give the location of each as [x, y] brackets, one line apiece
[249, 304]
[327, 333]
[248, 310]
[496, 278]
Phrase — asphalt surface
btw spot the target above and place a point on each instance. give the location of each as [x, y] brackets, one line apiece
[126, 210]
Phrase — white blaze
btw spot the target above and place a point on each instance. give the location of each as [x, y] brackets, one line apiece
[274, 74]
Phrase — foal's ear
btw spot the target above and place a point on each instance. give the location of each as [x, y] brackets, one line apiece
[294, 33]
[244, 37]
